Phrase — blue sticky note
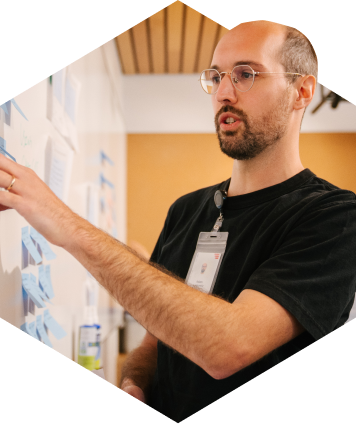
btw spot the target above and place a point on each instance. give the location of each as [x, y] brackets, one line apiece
[3, 149]
[42, 332]
[32, 329]
[25, 327]
[26, 239]
[45, 284]
[48, 278]
[4, 108]
[18, 108]
[29, 329]
[38, 289]
[31, 290]
[2, 145]
[53, 325]
[105, 157]
[45, 247]
[103, 180]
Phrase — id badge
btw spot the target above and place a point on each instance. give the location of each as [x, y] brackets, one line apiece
[206, 261]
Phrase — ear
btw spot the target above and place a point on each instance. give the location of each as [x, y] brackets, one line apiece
[305, 90]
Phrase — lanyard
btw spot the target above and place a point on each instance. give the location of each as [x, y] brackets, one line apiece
[219, 197]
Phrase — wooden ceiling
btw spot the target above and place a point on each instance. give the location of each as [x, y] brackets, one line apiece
[175, 40]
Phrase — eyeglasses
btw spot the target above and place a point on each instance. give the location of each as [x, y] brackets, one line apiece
[242, 77]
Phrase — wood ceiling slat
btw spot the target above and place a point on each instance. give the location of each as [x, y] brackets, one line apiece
[222, 31]
[157, 33]
[174, 35]
[216, 39]
[207, 44]
[126, 54]
[141, 47]
[192, 29]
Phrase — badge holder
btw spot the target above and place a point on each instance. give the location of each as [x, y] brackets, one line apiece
[209, 252]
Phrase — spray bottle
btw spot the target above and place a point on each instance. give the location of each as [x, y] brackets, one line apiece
[89, 334]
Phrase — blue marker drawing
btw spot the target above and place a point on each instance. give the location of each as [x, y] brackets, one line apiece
[3, 149]
[106, 157]
[45, 247]
[103, 180]
[42, 332]
[4, 108]
[18, 108]
[53, 325]
[29, 245]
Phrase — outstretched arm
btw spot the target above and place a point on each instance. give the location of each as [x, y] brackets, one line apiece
[220, 337]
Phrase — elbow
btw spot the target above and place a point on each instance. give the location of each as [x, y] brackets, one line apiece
[226, 364]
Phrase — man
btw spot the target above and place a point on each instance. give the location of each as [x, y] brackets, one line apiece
[287, 276]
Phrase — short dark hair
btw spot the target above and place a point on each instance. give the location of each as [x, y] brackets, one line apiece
[297, 54]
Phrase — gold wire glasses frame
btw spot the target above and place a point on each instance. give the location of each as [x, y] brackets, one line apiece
[242, 77]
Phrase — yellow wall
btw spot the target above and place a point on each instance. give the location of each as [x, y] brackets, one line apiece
[163, 167]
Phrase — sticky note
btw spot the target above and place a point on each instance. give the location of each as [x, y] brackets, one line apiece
[4, 108]
[53, 325]
[29, 329]
[30, 288]
[45, 247]
[5, 153]
[25, 328]
[45, 282]
[48, 278]
[38, 289]
[32, 329]
[29, 245]
[105, 157]
[103, 180]
[18, 108]
[42, 332]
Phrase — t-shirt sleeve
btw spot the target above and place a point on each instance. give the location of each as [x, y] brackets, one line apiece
[312, 272]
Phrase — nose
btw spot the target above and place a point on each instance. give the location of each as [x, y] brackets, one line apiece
[226, 93]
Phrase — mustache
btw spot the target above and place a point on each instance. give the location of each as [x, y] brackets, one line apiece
[227, 108]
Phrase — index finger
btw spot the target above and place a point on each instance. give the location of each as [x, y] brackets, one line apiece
[9, 166]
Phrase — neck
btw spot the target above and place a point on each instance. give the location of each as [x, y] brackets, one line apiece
[274, 165]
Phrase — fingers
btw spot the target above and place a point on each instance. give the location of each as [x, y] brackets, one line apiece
[8, 200]
[9, 166]
[6, 180]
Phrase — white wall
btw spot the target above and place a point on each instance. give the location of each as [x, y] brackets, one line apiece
[177, 104]
[100, 125]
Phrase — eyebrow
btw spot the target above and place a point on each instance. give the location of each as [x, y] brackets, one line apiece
[243, 62]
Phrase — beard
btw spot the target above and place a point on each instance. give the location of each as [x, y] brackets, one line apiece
[253, 135]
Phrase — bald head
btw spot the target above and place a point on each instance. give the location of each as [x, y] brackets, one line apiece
[259, 40]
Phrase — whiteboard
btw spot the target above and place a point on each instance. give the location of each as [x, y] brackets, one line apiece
[84, 162]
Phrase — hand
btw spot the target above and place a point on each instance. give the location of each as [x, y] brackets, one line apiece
[135, 392]
[36, 202]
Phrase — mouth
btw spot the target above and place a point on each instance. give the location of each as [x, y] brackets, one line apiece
[229, 122]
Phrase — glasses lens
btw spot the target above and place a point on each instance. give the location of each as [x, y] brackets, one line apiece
[243, 77]
[210, 80]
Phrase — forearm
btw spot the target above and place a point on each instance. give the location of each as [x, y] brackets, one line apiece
[193, 323]
[139, 369]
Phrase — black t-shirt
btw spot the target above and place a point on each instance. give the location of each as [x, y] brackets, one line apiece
[294, 242]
